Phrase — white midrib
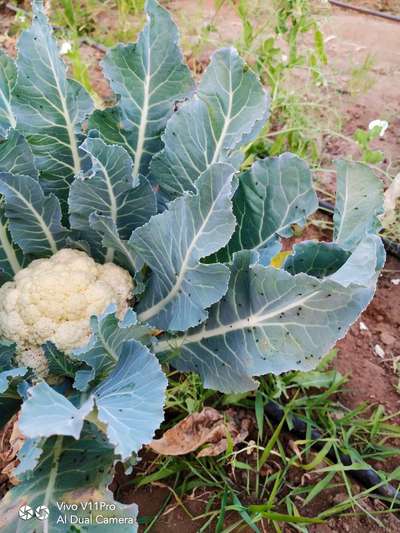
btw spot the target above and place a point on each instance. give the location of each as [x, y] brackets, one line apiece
[39, 218]
[113, 206]
[128, 255]
[249, 322]
[57, 450]
[8, 249]
[143, 118]
[106, 346]
[146, 315]
[8, 109]
[68, 123]
[342, 220]
[226, 125]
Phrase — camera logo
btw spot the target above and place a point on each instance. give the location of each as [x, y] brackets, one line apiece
[42, 512]
[26, 512]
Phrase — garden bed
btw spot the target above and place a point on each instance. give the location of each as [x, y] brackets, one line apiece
[369, 355]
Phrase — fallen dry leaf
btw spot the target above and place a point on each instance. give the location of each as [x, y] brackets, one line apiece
[391, 203]
[11, 441]
[207, 427]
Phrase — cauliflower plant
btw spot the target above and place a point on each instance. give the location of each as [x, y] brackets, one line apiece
[53, 300]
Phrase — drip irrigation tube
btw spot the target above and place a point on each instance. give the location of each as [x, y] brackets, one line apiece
[369, 478]
[392, 247]
[365, 10]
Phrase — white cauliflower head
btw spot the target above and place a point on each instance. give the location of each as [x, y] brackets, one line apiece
[53, 300]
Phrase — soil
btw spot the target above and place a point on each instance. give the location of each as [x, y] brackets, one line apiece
[372, 378]
[350, 39]
[382, 6]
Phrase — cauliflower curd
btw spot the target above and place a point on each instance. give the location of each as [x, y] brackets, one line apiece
[53, 300]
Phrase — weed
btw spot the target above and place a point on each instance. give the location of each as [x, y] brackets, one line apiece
[272, 478]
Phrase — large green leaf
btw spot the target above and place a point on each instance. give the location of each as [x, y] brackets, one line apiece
[271, 321]
[121, 250]
[59, 363]
[50, 108]
[28, 456]
[34, 219]
[230, 109]
[130, 401]
[8, 76]
[110, 191]
[10, 255]
[359, 199]
[172, 244]
[149, 77]
[73, 472]
[317, 259]
[104, 347]
[8, 376]
[276, 193]
[9, 379]
[37, 420]
[7, 352]
[16, 155]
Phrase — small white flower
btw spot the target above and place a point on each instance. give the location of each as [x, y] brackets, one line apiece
[382, 124]
[363, 326]
[380, 352]
[66, 47]
[284, 58]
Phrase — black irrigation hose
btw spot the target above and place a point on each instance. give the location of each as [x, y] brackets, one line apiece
[365, 10]
[392, 248]
[368, 478]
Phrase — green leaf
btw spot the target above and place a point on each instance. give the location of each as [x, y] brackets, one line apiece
[76, 472]
[16, 156]
[10, 255]
[130, 401]
[280, 517]
[8, 76]
[122, 252]
[359, 201]
[111, 192]
[7, 352]
[271, 322]
[8, 376]
[276, 193]
[230, 109]
[149, 77]
[34, 219]
[363, 265]
[37, 420]
[50, 108]
[320, 380]
[172, 244]
[28, 456]
[104, 347]
[60, 364]
[317, 259]
[9, 397]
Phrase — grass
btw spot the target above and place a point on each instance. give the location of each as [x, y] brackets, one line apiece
[273, 478]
